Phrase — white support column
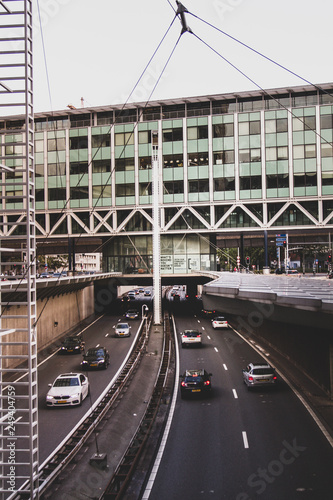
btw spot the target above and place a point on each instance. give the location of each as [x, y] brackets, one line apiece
[156, 230]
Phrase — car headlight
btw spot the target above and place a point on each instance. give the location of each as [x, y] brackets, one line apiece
[75, 396]
[48, 397]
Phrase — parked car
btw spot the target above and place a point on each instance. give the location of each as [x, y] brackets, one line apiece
[122, 330]
[132, 314]
[73, 344]
[191, 337]
[219, 322]
[195, 382]
[147, 292]
[258, 375]
[68, 389]
[96, 357]
[45, 275]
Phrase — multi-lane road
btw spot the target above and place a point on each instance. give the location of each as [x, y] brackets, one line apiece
[239, 444]
[235, 444]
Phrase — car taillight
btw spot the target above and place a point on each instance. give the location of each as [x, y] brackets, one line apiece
[275, 377]
[251, 379]
[207, 382]
[198, 335]
[183, 384]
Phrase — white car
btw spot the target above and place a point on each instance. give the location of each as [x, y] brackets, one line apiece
[219, 322]
[191, 337]
[68, 389]
[122, 330]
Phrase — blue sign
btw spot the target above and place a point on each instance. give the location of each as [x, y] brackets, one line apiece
[281, 235]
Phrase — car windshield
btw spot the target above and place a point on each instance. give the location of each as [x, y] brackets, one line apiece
[95, 352]
[71, 341]
[66, 382]
[122, 325]
[262, 371]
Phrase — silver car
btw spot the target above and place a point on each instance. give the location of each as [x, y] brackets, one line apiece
[259, 374]
[122, 330]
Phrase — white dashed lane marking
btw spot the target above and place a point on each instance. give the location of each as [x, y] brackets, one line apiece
[245, 441]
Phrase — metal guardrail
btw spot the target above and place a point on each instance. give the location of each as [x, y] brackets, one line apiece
[123, 474]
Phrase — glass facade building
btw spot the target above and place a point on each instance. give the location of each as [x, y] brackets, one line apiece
[253, 161]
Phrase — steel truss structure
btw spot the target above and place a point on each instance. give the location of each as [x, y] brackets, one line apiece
[19, 461]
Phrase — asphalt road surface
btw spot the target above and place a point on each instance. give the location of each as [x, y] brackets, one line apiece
[240, 444]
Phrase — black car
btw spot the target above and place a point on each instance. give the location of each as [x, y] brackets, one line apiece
[72, 345]
[96, 357]
[195, 382]
[208, 313]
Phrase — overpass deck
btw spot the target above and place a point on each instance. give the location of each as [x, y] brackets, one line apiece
[303, 295]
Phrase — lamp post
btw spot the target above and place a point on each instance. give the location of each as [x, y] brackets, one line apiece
[144, 309]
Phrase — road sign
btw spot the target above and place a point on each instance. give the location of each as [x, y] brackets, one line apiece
[279, 243]
[281, 236]
[280, 239]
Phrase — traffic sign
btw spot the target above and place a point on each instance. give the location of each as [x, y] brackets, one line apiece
[280, 239]
[281, 236]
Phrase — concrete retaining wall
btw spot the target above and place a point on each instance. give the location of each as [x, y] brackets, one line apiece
[55, 317]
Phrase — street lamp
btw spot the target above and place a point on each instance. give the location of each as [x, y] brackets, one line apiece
[145, 309]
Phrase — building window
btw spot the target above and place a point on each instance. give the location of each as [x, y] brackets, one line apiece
[224, 157]
[145, 189]
[125, 189]
[57, 194]
[124, 138]
[78, 142]
[224, 184]
[124, 164]
[79, 193]
[249, 155]
[173, 187]
[56, 169]
[199, 132]
[57, 144]
[80, 167]
[277, 181]
[249, 128]
[277, 153]
[101, 141]
[198, 186]
[173, 134]
[304, 151]
[223, 130]
[171, 161]
[145, 162]
[101, 191]
[250, 182]
[305, 180]
[197, 159]
[100, 166]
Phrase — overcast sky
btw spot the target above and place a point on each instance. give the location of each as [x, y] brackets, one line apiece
[98, 49]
